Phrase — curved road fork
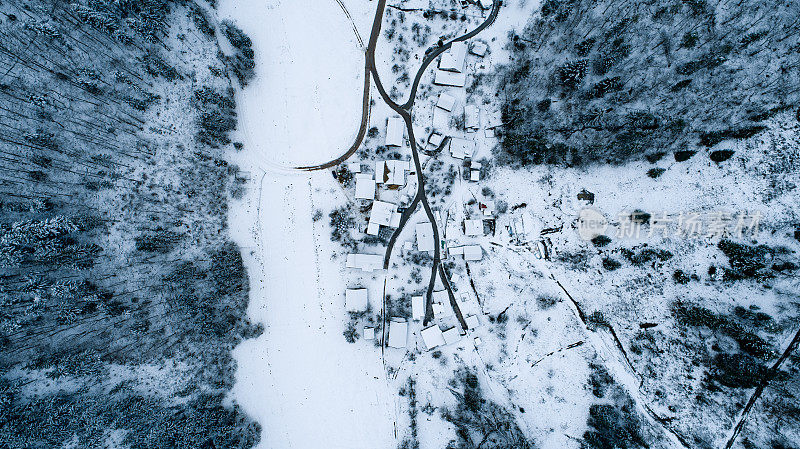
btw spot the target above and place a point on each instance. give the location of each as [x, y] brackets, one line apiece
[369, 58]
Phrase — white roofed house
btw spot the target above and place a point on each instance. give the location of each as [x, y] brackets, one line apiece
[479, 49]
[473, 252]
[398, 333]
[446, 102]
[453, 59]
[425, 240]
[391, 173]
[451, 335]
[365, 187]
[365, 262]
[446, 78]
[471, 117]
[461, 148]
[473, 228]
[395, 131]
[382, 214]
[432, 337]
[356, 299]
[435, 139]
[417, 307]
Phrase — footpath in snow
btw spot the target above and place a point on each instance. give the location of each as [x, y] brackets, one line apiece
[301, 380]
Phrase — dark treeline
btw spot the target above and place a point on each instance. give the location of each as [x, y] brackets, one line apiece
[612, 80]
[114, 255]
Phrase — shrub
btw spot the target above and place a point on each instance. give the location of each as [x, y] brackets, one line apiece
[681, 156]
[545, 302]
[655, 172]
[600, 240]
[646, 255]
[746, 262]
[350, 332]
[596, 320]
[680, 277]
[720, 155]
[737, 371]
[613, 427]
[611, 264]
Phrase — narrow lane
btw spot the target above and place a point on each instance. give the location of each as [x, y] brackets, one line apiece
[405, 112]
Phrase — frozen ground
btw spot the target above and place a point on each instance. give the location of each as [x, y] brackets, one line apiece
[304, 105]
[301, 380]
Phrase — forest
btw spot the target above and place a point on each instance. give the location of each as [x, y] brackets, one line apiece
[615, 80]
[122, 295]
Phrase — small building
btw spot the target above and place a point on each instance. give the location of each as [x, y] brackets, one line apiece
[446, 102]
[471, 117]
[461, 148]
[425, 240]
[391, 173]
[454, 79]
[382, 214]
[472, 322]
[395, 131]
[451, 336]
[473, 228]
[478, 341]
[438, 309]
[432, 337]
[473, 252]
[356, 299]
[417, 307]
[479, 48]
[354, 167]
[365, 187]
[453, 59]
[369, 333]
[441, 297]
[398, 333]
[365, 262]
[435, 139]
[475, 175]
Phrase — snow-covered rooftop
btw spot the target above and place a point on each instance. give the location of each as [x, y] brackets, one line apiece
[365, 262]
[417, 307]
[473, 228]
[445, 78]
[398, 333]
[461, 148]
[451, 335]
[473, 252]
[356, 299]
[453, 59]
[365, 187]
[471, 117]
[395, 129]
[446, 102]
[424, 237]
[432, 337]
[479, 49]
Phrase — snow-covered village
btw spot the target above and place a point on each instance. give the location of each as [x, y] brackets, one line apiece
[435, 224]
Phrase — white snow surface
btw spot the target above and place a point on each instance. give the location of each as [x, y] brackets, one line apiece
[305, 385]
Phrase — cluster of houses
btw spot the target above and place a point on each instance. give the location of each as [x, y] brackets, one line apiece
[390, 175]
[357, 300]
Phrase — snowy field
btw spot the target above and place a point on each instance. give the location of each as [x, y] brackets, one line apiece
[301, 380]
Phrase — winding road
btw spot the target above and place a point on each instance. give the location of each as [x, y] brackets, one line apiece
[404, 111]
